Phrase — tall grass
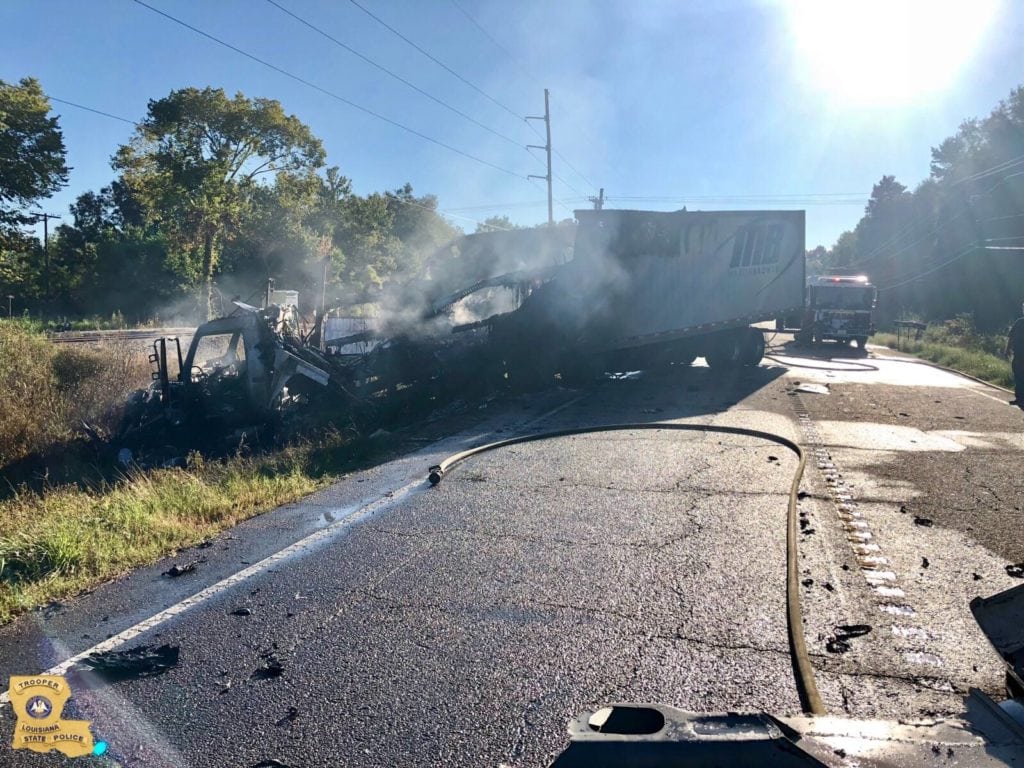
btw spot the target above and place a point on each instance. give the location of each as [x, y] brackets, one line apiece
[54, 544]
[68, 533]
[49, 390]
[956, 344]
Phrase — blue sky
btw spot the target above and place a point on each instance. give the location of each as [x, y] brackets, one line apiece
[737, 103]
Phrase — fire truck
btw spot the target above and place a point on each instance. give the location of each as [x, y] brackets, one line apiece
[837, 308]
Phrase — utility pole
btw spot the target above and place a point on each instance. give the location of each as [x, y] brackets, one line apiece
[598, 201]
[46, 246]
[546, 148]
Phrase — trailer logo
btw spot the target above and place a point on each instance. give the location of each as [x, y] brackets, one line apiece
[38, 702]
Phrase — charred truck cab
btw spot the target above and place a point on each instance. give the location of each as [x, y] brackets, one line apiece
[839, 308]
[234, 377]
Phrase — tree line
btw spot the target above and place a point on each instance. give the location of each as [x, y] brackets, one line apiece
[955, 244]
[211, 196]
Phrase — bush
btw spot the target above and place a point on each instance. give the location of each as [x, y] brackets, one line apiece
[48, 390]
[955, 345]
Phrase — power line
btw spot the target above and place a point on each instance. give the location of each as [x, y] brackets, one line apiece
[752, 196]
[529, 74]
[445, 211]
[498, 45]
[439, 63]
[505, 206]
[565, 207]
[559, 178]
[90, 109]
[1005, 165]
[569, 165]
[933, 269]
[326, 92]
[387, 71]
[880, 250]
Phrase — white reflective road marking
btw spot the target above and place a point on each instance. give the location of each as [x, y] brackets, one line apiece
[357, 514]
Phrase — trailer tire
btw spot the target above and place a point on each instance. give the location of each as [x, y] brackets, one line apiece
[751, 347]
[724, 351]
[862, 342]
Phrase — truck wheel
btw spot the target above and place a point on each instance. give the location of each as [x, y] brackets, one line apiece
[862, 342]
[724, 351]
[751, 347]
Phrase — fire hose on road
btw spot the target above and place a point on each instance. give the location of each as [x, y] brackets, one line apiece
[802, 669]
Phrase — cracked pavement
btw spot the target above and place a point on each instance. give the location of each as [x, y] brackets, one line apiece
[465, 624]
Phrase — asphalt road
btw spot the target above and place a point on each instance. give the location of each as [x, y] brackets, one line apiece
[465, 624]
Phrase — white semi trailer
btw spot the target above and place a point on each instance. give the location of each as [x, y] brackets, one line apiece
[645, 289]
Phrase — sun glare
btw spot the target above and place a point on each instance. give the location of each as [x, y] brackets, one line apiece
[878, 52]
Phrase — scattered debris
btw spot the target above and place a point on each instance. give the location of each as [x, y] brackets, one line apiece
[271, 668]
[180, 570]
[1016, 570]
[903, 509]
[977, 576]
[773, 458]
[243, 611]
[802, 495]
[269, 763]
[141, 661]
[840, 641]
[925, 522]
[813, 389]
[836, 645]
[924, 562]
[293, 713]
[905, 415]
[827, 585]
[808, 582]
[852, 630]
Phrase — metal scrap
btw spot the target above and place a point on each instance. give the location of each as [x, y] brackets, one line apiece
[141, 661]
[180, 570]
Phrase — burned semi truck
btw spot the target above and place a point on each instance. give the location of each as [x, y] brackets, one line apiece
[619, 291]
[646, 290]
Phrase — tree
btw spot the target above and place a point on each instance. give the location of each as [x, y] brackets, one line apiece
[32, 155]
[418, 225]
[496, 224]
[195, 159]
[286, 233]
[844, 252]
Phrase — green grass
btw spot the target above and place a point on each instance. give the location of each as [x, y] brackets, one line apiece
[973, 361]
[57, 543]
[81, 526]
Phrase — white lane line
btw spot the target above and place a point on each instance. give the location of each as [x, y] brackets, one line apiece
[225, 584]
[977, 390]
[356, 515]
